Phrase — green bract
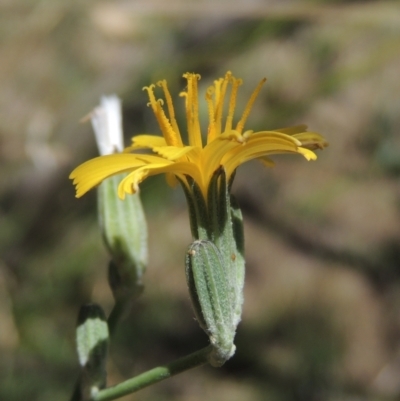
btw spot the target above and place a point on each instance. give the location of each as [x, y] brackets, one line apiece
[215, 264]
[124, 229]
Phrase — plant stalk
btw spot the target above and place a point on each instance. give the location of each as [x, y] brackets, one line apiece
[155, 375]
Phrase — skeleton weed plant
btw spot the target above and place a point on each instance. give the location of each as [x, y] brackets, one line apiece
[205, 168]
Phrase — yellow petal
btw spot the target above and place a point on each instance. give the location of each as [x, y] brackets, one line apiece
[311, 140]
[93, 172]
[130, 183]
[307, 153]
[256, 148]
[266, 161]
[172, 152]
[213, 154]
[274, 136]
[171, 180]
[148, 140]
[145, 142]
[296, 129]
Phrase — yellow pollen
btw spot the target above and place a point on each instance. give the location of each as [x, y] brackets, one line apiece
[249, 105]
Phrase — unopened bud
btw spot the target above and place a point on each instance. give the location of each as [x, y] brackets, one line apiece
[92, 347]
[124, 230]
[123, 224]
[211, 293]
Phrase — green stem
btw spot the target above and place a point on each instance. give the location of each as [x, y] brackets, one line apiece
[155, 375]
[115, 316]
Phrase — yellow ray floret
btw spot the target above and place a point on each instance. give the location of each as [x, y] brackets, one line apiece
[225, 146]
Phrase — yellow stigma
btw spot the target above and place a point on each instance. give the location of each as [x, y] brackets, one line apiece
[249, 105]
[170, 105]
[172, 137]
[232, 103]
[192, 109]
[220, 91]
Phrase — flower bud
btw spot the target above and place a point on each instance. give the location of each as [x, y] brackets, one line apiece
[227, 234]
[123, 224]
[124, 229]
[92, 347]
[209, 287]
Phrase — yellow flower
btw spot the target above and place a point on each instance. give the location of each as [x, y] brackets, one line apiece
[226, 145]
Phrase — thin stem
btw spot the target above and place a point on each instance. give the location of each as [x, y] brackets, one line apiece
[115, 316]
[155, 375]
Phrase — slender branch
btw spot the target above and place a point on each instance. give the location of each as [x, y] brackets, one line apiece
[155, 375]
[115, 317]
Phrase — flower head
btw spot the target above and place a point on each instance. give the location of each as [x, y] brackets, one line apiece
[225, 144]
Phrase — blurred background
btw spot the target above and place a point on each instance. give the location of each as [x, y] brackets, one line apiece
[321, 317]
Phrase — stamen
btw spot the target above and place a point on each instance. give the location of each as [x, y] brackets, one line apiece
[169, 133]
[232, 103]
[150, 93]
[219, 102]
[217, 86]
[165, 126]
[211, 114]
[192, 110]
[187, 96]
[195, 103]
[249, 105]
[170, 105]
